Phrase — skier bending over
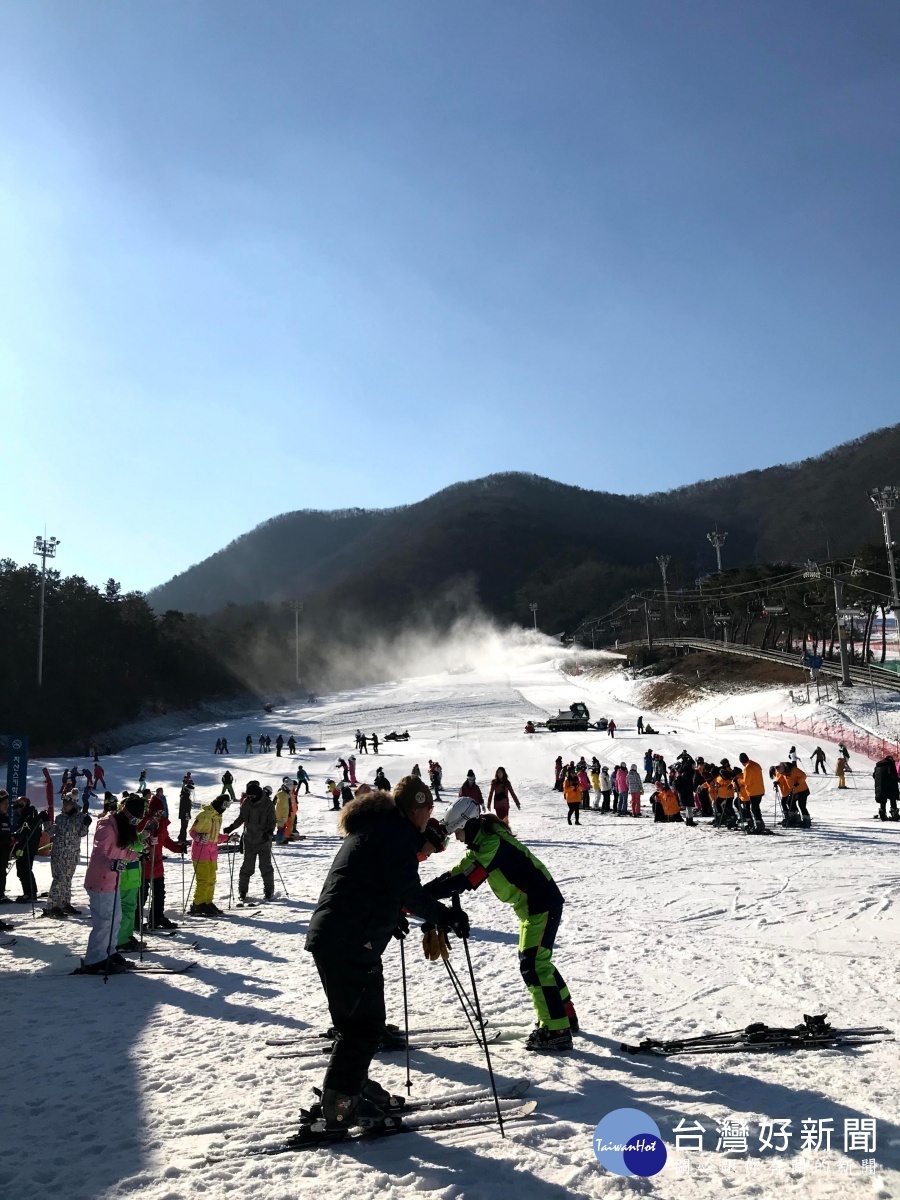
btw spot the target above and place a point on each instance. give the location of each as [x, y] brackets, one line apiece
[516, 877]
[374, 877]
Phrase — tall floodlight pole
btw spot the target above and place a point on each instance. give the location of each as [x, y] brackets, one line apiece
[718, 541]
[533, 608]
[297, 609]
[664, 560]
[44, 548]
[885, 500]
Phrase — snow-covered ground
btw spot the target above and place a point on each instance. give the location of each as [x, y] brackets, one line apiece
[123, 1089]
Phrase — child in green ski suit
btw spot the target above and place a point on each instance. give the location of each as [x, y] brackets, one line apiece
[516, 877]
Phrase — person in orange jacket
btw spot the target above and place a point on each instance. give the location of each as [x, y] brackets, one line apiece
[572, 795]
[752, 788]
[724, 789]
[799, 790]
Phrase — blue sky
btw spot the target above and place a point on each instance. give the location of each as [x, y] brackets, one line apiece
[260, 257]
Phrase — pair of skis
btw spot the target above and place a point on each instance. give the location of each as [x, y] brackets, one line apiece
[815, 1033]
[432, 1118]
[436, 1041]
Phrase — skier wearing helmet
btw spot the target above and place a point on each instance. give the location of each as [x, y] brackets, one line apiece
[516, 877]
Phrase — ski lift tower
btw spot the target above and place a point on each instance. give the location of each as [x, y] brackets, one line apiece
[533, 606]
[44, 548]
[718, 541]
[885, 499]
[664, 560]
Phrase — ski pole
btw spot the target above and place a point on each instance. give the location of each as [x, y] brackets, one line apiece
[405, 1012]
[193, 883]
[112, 924]
[183, 901]
[462, 997]
[280, 876]
[457, 909]
[32, 882]
[231, 879]
[141, 917]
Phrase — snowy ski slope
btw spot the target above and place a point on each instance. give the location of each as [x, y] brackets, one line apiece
[123, 1089]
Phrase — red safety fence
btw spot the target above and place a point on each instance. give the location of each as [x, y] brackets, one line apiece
[869, 745]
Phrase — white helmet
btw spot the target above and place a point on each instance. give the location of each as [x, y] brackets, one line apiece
[461, 811]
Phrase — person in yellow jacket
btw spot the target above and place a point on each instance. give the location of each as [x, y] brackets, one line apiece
[841, 767]
[284, 816]
[751, 788]
[206, 837]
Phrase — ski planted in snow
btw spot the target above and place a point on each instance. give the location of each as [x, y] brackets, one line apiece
[305, 1139]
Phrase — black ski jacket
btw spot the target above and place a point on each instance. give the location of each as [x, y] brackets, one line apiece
[374, 876]
[28, 830]
[887, 785]
[257, 815]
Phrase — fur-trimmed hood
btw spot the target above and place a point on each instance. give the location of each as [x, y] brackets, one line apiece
[364, 808]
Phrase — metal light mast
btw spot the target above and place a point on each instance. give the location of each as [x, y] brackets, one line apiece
[44, 548]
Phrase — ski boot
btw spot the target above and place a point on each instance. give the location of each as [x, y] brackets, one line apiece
[70, 911]
[572, 1015]
[131, 944]
[381, 1097]
[336, 1114]
[806, 822]
[165, 923]
[392, 1039]
[553, 1041]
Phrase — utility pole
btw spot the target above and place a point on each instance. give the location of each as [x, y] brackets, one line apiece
[297, 609]
[664, 560]
[533, 606]
[884, 500]
[842, 636]
[718, 541]
[647, 624]
[43, 550]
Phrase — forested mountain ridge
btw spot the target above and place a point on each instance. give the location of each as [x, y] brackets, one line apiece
[514, 535]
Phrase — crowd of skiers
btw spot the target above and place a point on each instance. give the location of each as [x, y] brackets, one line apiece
[690, 787]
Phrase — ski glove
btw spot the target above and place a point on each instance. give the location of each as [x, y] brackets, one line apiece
[402, 928]
[459, 924]
[434, 944]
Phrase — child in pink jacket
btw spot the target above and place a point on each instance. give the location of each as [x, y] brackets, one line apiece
[116, 841]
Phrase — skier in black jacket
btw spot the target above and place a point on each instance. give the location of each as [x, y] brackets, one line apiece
[374, 877]
[257, 815]
[29, 825]
[887, 788]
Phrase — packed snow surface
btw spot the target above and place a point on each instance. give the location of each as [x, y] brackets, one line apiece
[124, 1088]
